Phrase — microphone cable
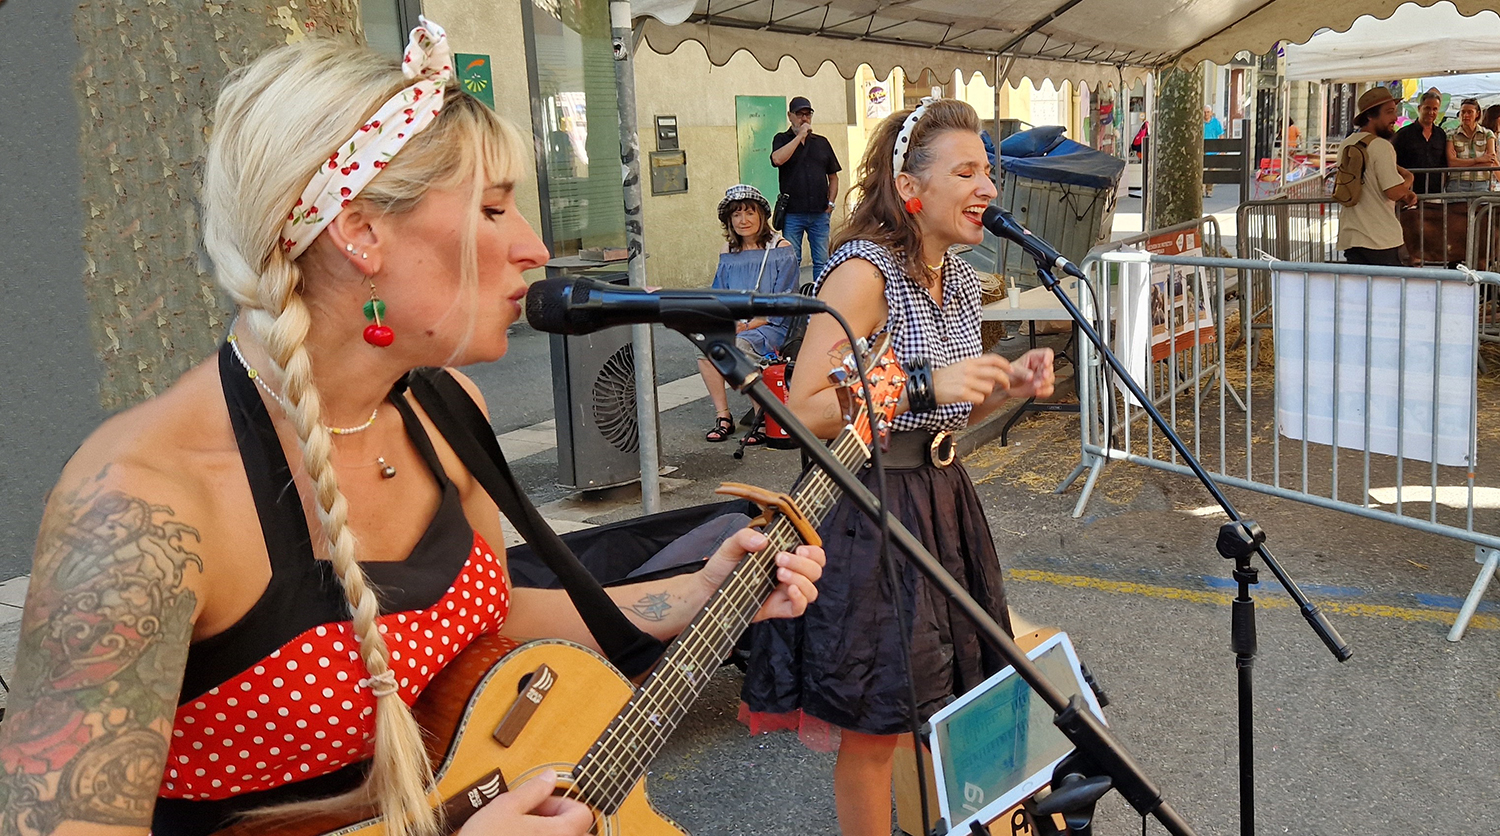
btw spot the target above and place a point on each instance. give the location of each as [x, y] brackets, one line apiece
[889, 570]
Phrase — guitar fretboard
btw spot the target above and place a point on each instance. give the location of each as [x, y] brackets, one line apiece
[621, 755]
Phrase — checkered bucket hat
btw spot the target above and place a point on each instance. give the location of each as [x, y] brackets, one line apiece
[741, 191]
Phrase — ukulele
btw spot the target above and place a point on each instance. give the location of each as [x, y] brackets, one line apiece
[499, 714]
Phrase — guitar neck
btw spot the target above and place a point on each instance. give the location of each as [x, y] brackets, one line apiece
[621, 755]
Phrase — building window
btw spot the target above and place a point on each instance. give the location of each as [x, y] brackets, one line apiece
[388, 23]
[576, 122]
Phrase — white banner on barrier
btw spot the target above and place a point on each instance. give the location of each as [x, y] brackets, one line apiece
[1398, 389]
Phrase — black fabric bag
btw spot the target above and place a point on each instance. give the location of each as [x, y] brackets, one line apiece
[778, 215]
[645, 548]
[659, 545]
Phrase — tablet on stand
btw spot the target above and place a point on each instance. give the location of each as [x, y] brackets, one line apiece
[996, 745]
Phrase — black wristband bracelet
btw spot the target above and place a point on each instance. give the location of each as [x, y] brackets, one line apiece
[920, 396]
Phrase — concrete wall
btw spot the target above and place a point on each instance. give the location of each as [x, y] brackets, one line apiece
[683, 235]
[49, 376]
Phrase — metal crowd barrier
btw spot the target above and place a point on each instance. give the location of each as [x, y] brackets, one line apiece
[1285, 229]
[1358, 348]
[1180, 370]
[1442, 230]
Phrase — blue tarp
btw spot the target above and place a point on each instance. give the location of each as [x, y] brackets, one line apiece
[1045, 154]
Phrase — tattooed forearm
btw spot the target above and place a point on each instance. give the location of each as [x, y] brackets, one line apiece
[102, 650]
[652, 607]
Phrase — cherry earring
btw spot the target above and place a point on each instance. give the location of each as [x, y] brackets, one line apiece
[377, 333]
[913, 205]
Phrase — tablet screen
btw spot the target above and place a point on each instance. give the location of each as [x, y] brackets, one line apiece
[997, 744]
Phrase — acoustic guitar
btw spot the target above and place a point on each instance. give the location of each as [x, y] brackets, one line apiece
[499, 714]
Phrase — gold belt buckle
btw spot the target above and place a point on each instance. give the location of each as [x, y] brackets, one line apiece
[943, 449]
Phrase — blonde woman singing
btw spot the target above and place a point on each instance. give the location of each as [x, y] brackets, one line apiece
[241, 585]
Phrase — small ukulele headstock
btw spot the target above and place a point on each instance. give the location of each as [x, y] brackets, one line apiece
[887, 383]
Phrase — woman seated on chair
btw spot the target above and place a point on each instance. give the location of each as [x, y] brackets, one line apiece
[754, 259]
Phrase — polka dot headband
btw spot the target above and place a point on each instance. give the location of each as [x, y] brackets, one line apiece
[903, 139]
[429, 62]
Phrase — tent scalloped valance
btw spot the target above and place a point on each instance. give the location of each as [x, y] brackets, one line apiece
[810, 52]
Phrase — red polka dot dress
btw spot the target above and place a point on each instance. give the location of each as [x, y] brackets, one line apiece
[278, 707]
[306, 708]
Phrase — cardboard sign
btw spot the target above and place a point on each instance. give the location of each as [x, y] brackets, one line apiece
[1179, 297]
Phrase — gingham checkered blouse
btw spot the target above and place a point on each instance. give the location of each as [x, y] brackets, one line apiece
[919, 327]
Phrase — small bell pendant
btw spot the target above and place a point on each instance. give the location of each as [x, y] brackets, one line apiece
[386, 471]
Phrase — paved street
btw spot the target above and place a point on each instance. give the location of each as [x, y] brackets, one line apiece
[1391, 742]
[1386, 743]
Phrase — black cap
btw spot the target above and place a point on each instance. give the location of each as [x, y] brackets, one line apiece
[799, 103]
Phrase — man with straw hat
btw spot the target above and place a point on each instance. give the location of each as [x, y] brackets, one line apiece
[1368, 230]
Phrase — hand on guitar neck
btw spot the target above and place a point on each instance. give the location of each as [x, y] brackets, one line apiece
[798, 571]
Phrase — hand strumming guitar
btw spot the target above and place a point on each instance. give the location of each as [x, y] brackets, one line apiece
[531, 810]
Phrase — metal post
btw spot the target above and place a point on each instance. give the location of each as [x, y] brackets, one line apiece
[1286, 114]
[1148, 170]
[1322, 128]
[995, 171]
[630, 158]
[1252, 128]
[1000, 73]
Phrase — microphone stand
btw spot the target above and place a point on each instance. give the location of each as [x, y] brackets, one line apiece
[1238, 539]
[1094, 743]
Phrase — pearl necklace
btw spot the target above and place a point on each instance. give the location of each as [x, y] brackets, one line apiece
[234, 345]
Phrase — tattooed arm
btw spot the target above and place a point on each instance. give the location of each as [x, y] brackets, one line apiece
[103, 645]
[855, 289]
[665, 607]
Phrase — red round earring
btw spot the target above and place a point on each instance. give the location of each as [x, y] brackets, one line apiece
[913, 205]
[377, 333]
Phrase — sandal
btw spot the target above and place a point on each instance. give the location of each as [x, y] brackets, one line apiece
[753, 439]
[723, 428]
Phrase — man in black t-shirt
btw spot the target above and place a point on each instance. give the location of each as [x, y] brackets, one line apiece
[1422, 144]
[809, 174]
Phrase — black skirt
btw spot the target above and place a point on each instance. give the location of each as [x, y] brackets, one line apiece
[841, 662]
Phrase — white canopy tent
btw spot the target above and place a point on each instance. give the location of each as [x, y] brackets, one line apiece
[1482, 86]
[1098, 42]
[1414, 42]
[1079, 40]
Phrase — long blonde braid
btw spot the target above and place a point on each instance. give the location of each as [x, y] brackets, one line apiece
[277, 120]
[400, 774]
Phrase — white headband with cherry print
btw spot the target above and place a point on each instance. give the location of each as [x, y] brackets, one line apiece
[428, 60]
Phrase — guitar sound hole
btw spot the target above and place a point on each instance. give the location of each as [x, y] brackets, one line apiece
[524, 681]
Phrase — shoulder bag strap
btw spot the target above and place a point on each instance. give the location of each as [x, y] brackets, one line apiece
[467, 431]
[761, 275]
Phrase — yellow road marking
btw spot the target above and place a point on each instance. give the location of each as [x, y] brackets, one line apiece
[1480, 621]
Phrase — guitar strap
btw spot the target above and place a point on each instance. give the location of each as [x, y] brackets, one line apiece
[468, 432]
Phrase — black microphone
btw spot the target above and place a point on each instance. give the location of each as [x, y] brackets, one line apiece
[1005, 225]
[583, 306]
